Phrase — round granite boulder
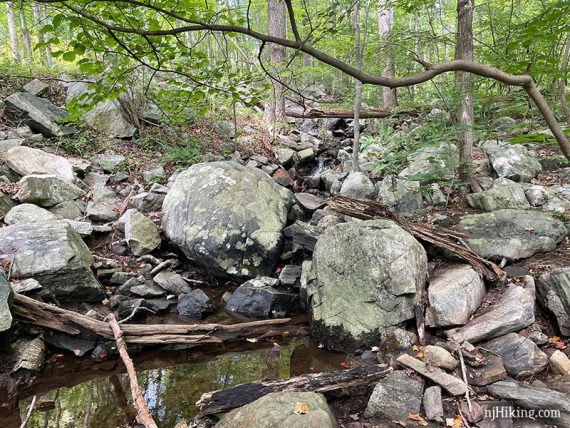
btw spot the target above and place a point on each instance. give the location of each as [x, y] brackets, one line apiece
[227, 217]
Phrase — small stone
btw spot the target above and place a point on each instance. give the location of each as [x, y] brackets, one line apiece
[148, 202]
[290, 276]
[399, 195]
[158, 305]
[286, 157]
[154, 173]
[553, 295]
[119, 250]
[172, 282]
[439, 357]
[103, 206]
[141, 233]
[108, 163]
[490, 372]
[309, 201]
[433, 406]
[26, 286]
[521, 357]
[283, 178]
[303, 234]
[196, 304]
[560, 363]
[147, 290]
[306, 155]
[132, 306]
[36, 87]
[119, 278]
[27, 161]
[357, 186]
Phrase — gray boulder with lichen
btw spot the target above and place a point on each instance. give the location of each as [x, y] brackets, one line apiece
[227, 217]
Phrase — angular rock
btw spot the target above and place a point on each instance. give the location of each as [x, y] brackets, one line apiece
[513, 161]
[491, 371]
[454, 293]
[36, 87]
[26, 285]
[357, 186]
[368, 276]
[513, 312]
[27, 213]
[281, 409]
[504, 194]
[433, 406]
[432, 164]
[141, 233]
[512, 234]
[227, 217]
[131, 307]
[521, 357]
[148, 202]
[37, 113]
[72, 210]
[55, 255]
[109, 118]
[394, 396]
[399, 195]
[450, 383]
[172, 282]
[536, 195]
[78, 345]
[155, 172]
[309, 201]
[530, 397]
[287, 157]
[196, 304]
[108, 162]
[103, 206]
[47, 190]
[149, 290]
[6, 298]
[6, 145]
[258, 298]
[553, 289]
[6, 204]
[27, 161]
[303, 234]
[290, 276]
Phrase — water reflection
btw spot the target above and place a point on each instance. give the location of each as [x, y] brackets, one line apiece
[170, 392]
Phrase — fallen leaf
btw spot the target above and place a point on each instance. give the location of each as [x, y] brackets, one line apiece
[421, 421]
[345, 365]
[301, 408]
[560, 345]
[251, 340]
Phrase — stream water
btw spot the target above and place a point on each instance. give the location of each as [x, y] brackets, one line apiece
[82, 393]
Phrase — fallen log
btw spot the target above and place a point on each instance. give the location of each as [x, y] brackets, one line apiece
[143, 415]
[441, 237]
[52, 317]
[225, 400]
[371, 113]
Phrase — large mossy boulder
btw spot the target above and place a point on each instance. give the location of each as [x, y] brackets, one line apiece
[282, 409]
[54, 254]
[227, 217]
[368, 276]
[512, 234]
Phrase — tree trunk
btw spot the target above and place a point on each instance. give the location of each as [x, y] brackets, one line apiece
[276, 26]
[357, 89]
[562, 88]
[27, 42]
[385, 23]
[464, 81]
[13, 31]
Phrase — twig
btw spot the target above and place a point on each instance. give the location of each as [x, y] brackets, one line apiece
[464, 373]
[143, 415]
[29, 414]
[133, 313]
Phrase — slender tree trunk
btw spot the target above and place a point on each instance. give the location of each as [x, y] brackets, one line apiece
[385, 22]
[44, 19]
[562, 87]
[38, 25]
[26, 39]
[464, 81]
[276, 26]
[13, 31]
[357, 89]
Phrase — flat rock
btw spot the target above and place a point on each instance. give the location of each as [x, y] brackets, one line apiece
[394, 396]
[27, 161]
[47, 190]
[172, 282]
[281, 409]
[36, 87]
[37, 113]
[512, 234]
[521, 357]
[227, 217]
[553, 290]
[55, 255]
[433, 406]
[530, 397]
[6, 204]
[513, 161]
[450, 383]
[148, 202]
[513, 312]
[454, 293]
[27, 213]
[303, 234]
[309, 201]
[491, 371]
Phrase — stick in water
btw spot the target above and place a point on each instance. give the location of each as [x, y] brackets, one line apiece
[143, 415]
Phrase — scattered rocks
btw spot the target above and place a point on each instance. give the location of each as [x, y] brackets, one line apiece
[454, 293]
[55, 255]
[141, 233]
[196, 304]
[513, 312]
[513, 161]
[553, 289]
[280, 409]
[512, 234]
[261, 299]
[368, 275]
[521, 357]
[227, 217]
[394, 396]
[47, 190]
[27, 161]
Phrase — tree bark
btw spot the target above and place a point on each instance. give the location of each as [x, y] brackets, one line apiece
[26, 40]
[13, 31]
[224, 400]
[464, 81]
[276, 26]
[385, 23]
[562, 87]
[357, 89]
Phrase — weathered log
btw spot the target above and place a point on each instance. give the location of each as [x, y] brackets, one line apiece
[372, 113]
[441, 237]
[54, 318]
[143, 415]
[224, 400]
